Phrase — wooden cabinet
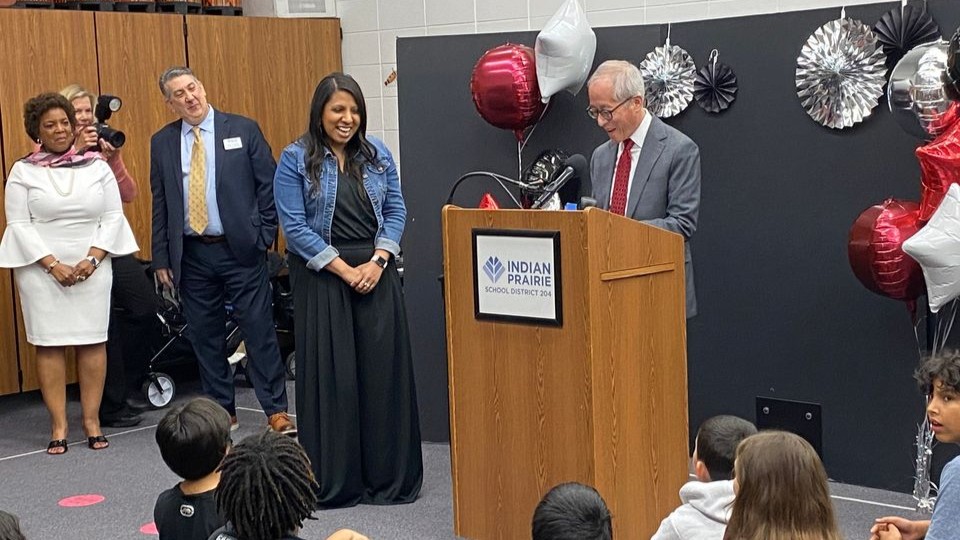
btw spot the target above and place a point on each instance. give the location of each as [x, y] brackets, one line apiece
[263, 68]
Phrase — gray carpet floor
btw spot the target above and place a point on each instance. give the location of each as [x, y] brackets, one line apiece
[130, 474]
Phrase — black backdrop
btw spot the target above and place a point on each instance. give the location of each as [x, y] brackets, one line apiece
[781, 314]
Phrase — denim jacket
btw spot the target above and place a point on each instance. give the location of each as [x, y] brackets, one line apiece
[306, 218]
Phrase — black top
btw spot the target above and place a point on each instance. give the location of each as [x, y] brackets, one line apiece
[353, 217]
[186, 517]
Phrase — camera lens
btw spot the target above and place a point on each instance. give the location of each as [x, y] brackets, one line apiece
[114, 137]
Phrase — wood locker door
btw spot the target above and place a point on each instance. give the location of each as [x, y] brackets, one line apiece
[44, 50]
[264, 68]
[134, 49]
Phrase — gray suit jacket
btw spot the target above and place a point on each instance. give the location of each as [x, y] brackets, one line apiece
[666, 187]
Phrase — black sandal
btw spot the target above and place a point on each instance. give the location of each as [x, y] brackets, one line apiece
[58, 443]
[92, 442]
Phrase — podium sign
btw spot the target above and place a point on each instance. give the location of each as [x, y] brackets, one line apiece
[516, 276]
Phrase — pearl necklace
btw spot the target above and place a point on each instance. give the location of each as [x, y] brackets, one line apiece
[73, 173]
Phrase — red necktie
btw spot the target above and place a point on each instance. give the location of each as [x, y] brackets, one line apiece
[618, 203]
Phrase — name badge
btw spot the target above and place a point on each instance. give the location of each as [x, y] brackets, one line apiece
[232, 143]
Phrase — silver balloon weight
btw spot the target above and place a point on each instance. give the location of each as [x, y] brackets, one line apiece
[916, 92]
[840, 73]
[668, 74]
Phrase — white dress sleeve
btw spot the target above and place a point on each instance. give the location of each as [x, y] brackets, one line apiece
[21, 244]
[113, 234]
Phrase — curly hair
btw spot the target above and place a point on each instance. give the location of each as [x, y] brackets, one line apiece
[266, 486]
[944, 366]
[37, 106]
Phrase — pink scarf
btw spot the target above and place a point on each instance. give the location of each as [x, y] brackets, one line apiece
[70, 158]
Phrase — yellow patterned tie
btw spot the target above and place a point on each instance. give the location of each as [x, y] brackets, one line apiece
[198, 184]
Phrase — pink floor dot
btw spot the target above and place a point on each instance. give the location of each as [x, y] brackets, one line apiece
[150, 528]
[81, 500]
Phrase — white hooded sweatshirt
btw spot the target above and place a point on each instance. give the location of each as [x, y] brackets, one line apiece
[703, 514]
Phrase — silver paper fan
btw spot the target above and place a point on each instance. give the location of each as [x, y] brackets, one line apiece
[715, 87]
[668, 74]
[903, 28]
[840, 73]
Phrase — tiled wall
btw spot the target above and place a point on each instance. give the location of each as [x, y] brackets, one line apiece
[371, 28]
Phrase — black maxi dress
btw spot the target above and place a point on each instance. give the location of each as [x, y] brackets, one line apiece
[356, 399]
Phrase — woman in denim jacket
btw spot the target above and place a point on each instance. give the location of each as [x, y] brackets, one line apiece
[342, 213]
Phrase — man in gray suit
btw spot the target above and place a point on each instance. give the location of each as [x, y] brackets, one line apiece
[648, 170]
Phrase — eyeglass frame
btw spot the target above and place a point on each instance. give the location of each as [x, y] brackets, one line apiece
[606, 114]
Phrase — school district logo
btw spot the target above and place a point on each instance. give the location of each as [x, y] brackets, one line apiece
[494, 269]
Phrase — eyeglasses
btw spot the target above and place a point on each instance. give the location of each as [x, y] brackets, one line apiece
[606, 114]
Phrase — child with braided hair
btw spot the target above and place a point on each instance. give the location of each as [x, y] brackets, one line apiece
[266, 491]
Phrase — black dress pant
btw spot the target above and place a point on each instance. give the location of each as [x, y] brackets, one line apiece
[211, 276]
[133, 315]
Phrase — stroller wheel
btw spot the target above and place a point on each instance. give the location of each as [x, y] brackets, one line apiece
[159, 389]
[292, 366]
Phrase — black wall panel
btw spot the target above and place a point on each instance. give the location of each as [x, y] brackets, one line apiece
[781, 314]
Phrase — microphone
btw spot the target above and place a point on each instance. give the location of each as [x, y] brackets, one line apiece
[574, 167]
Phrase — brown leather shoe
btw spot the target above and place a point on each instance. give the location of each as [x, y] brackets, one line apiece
[234, 423]
[281, 423]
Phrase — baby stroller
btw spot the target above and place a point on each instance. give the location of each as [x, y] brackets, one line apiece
[172, 347]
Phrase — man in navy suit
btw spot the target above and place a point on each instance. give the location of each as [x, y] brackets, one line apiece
[214, 217]
[648, 170]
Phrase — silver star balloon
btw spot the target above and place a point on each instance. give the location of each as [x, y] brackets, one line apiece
[668, 74]
[840, 73]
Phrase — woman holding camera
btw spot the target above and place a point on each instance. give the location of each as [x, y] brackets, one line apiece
[64, 219]
[132, 289]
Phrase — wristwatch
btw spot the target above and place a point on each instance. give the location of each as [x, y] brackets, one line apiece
[379, 261]
[94, 261]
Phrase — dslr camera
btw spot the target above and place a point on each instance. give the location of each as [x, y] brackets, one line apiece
[106, 106]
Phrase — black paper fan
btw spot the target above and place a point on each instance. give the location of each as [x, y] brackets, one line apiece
[902, 29]
[715, 87]
[951, 76]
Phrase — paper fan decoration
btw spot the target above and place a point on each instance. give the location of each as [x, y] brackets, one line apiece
[715, 87]
[668, 74]
[840, 73]
[902, 29]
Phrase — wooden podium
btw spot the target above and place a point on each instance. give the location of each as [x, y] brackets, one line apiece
[600, 400]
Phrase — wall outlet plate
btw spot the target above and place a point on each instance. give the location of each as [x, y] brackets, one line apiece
[800, 417]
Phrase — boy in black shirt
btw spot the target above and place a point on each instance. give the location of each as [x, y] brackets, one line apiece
[193, 440]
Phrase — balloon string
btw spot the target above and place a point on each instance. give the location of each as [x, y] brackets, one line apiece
[944, 326]
[526, 138]
[916, 332]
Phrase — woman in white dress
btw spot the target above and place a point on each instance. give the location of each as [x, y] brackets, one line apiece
[64, 221]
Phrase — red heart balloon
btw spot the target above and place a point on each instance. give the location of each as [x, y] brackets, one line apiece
[939, 167]
[505, 89]
[876, 252]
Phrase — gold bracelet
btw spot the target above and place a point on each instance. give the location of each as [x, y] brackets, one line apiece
[52, 265]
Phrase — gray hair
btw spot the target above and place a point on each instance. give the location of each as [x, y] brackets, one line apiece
[171, 74]
[626, 78]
